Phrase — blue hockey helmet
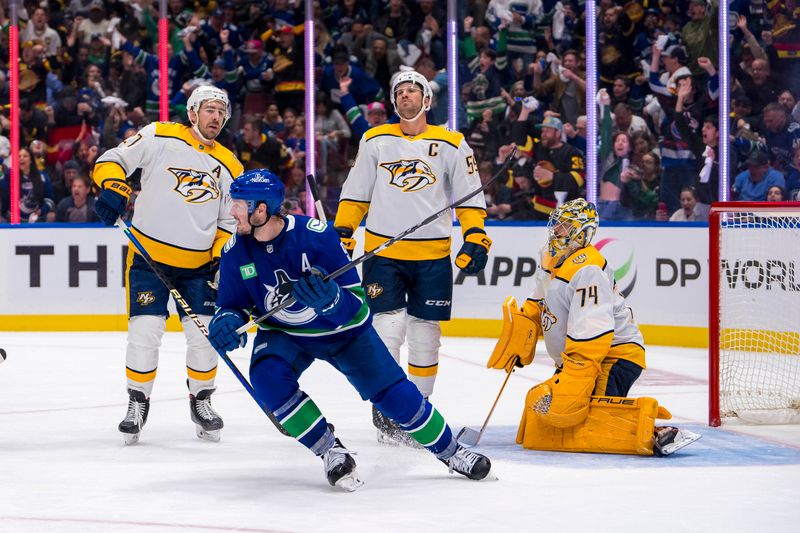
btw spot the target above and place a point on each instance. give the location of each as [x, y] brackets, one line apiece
[259, 186]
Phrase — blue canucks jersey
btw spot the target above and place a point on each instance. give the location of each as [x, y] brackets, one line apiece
[257, 276]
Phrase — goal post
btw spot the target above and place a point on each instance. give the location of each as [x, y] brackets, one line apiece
[754, 312]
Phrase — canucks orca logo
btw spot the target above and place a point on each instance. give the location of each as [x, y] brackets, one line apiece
[410, 175]
[548, 318]
[294, 315]
[195, 185]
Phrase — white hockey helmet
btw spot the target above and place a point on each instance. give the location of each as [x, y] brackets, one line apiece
[205, 93]
[412, 76]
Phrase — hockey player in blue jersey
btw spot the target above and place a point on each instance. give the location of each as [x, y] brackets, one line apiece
[275, 256]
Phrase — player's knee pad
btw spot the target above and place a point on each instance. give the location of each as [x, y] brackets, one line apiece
[424, 340]
[141, 357]
[274, 381]
[391, 327]
[612, 425]
[201, 357]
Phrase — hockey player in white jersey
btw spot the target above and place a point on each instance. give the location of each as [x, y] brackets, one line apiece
[182, 218]
[403, 173]
[597, 347]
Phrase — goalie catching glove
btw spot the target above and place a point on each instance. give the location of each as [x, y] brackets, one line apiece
[517, 342]
[563, 400]
[474, 253]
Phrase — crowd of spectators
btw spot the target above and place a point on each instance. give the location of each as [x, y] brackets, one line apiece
[89, 79]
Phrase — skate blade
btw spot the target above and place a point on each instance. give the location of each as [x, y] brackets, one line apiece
[468, 437]
[130, 438]
[211, 436]
[350, 482]
[682, 439]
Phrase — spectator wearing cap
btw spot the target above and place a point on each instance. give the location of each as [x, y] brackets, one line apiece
[364, 89]
[782, 135]
[560, 167]
[760, 86]
[752, 184]
[700, 35]
[256, 66]
[38, 29]
[95, 24]
[566, 87]
[288, 67]
[78, 207]
[675, 60]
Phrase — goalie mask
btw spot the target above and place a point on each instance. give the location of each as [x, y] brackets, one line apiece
[206, 93]
[412, 76]
[571, 227]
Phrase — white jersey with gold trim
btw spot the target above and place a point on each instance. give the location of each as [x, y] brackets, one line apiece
[183, 209]
[404, 179]
[583, 313]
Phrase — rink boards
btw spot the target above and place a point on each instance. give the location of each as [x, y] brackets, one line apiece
[71, 278]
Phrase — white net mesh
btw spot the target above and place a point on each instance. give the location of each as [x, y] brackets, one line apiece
[759, 319]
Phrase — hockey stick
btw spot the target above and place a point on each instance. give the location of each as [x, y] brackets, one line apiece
[372, 253]
[470, 437]
[199, 323]
[312, 184]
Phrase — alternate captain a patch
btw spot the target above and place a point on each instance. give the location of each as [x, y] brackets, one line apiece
[196, 186]
[410, 175]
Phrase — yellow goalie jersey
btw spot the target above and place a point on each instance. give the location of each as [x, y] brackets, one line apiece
[182, 214]
[582, 313]
[402, 180]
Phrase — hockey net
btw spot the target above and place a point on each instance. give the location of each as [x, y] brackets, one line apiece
[754, 313]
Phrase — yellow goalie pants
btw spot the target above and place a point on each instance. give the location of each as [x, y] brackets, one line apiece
[614, 425]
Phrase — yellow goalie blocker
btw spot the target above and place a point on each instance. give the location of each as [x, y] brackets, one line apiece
[611, 424]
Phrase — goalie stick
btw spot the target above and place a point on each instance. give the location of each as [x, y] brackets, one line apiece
[468, 436]
[199, 323]
[372, 253]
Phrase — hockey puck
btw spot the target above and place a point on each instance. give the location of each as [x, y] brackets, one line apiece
[2, 355]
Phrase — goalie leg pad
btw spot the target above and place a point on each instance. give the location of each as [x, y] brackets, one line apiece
[613, 425]
[424, 340]
[201, 357]
[517, 340]
[141, 357]
[391, 327]
[563, 400]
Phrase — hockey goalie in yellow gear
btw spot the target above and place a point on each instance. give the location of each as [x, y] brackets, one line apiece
[597, 348]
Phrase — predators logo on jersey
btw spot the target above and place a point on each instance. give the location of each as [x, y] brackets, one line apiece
[195, 185]
[548, 318]
[410, 175]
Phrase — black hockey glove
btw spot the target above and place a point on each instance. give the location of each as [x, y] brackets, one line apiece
[474, 252]
[110, 206]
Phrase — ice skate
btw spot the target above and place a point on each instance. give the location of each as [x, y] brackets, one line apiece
[668, 440]
[340, 468]
[136, 417]
[390, 433]
[209, 423]
[470, 464]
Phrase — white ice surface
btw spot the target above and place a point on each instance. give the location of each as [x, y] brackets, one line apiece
[64, 468]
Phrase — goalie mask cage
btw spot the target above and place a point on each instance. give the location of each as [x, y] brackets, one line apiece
[754, 312]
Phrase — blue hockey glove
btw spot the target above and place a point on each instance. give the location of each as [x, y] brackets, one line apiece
[110, 206]
[474, 252]
[314, 292]
[222, 331]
